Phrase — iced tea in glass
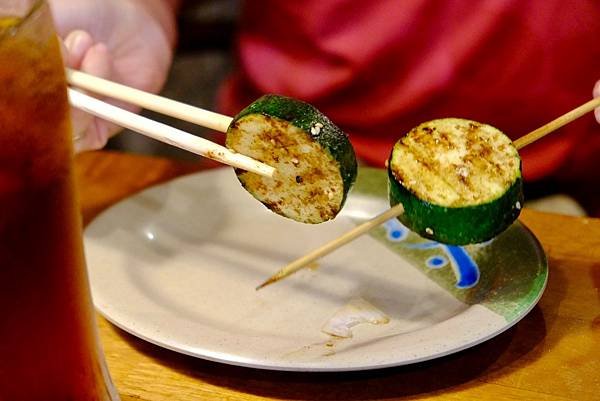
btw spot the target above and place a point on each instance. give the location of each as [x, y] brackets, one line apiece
[48, 341]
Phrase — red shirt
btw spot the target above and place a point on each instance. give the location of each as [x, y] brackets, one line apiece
[379, 68]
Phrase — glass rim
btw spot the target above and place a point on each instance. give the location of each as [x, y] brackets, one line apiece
[35, 7]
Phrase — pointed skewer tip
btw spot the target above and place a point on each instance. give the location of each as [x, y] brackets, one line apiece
[266, 283]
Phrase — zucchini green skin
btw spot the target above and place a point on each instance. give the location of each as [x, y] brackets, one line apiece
[457, 225]
[303, 115]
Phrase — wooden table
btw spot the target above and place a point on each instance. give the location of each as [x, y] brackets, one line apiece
[552, 354]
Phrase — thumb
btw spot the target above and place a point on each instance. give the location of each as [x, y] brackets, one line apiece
[76, 44]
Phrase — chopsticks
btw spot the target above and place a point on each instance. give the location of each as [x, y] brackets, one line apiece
[156, 130]
[398, 209]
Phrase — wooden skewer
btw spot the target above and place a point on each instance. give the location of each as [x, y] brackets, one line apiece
[148, 101]
[557, 123]
[398, 209]
[166, 133]
[333, 245]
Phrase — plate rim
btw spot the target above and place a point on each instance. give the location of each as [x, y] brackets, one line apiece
[241, 361]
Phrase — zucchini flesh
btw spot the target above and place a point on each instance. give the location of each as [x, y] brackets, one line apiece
[315, 162]
[459, 181]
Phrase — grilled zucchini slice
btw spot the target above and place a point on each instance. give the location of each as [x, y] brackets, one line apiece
[459, 181]
[315, 162]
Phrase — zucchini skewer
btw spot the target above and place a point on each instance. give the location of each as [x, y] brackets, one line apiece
[314, 160]
[398, 209]
[458, 180]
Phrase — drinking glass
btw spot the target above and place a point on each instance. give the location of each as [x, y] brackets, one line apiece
[49, 347]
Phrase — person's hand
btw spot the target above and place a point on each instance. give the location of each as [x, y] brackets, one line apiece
[597, 94]
[128, 41]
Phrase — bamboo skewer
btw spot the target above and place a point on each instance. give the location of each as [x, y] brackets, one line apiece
[166, 133]
[398, 209]
[557, 123]
[333, 245]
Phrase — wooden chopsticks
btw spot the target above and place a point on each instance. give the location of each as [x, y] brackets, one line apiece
[156, 130]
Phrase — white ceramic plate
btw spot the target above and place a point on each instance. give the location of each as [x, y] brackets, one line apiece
[177, 266]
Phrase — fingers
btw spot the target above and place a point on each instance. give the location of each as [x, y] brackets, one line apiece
[597, 94]
[77, 44]
[95, 59]
[91, 132]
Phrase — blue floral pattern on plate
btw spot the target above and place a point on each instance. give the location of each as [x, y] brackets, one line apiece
[464, 266]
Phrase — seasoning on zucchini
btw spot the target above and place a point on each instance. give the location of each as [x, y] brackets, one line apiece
[315, 162]
[458, 180]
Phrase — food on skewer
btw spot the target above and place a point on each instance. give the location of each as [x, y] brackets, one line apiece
[459, 148]
[315, 162]
[459, 181]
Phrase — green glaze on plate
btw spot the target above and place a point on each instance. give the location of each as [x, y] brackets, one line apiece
[512, 268]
